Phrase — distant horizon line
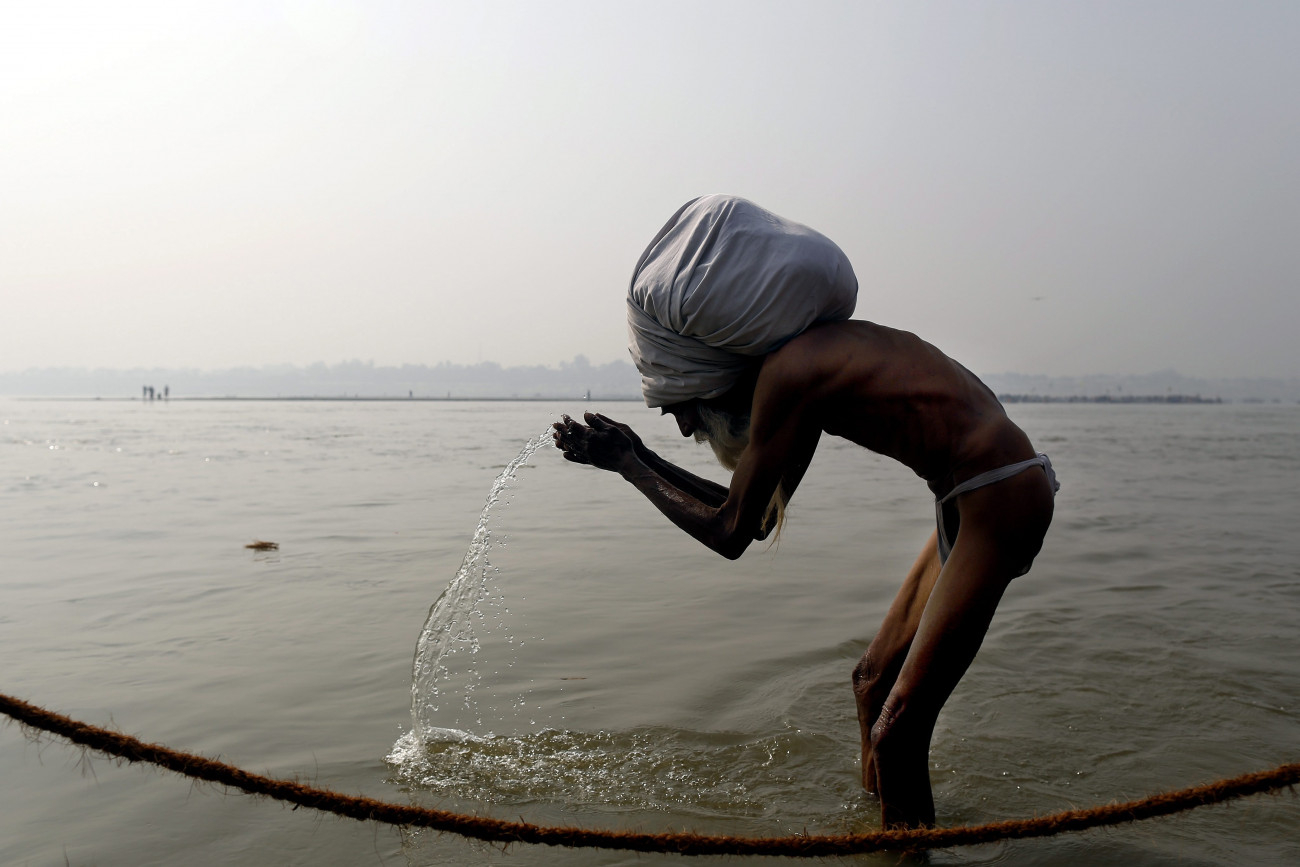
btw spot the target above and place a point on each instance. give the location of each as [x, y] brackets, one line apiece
[1005, 398]
[579, 361]
[616, 380]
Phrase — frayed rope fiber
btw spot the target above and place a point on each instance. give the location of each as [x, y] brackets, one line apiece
[497, 830]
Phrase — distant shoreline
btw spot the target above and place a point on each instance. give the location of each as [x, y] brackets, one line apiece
[335, 399]
[1179, 399]
[1116, 398]
[616, 380]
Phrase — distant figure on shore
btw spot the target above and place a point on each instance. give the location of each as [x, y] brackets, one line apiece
[739, 324]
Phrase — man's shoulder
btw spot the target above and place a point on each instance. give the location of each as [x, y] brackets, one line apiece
[805, 371]
[831, 365]
[825, 346]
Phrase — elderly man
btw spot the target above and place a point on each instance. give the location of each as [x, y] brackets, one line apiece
[739, 326]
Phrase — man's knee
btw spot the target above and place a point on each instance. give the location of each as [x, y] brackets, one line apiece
[900, 728]
[867, 675]
[879, 666]
[884, 728]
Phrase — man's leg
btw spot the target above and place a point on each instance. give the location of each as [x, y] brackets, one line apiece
[1002, 528]
[875, 673]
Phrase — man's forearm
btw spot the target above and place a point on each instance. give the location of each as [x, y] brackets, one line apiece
[707, 492]
[699, 518]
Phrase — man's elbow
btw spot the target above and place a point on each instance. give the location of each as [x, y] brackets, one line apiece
[733, 545]
[727, 535]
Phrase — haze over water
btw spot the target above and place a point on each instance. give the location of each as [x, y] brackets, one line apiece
[626, 677]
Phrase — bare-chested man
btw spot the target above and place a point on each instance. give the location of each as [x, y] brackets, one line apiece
[883, 389]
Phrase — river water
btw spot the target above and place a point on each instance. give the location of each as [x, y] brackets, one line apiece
[619, 674]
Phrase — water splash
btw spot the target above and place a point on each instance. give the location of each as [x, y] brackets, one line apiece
[448, 753]
[694, 776]
[452, 628]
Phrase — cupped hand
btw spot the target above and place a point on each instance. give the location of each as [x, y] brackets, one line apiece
[596, 418]
[601, 442]
[569, 439]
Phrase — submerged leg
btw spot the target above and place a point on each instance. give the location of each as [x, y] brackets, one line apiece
[1002, 528]
[874, 675]
[949, 635]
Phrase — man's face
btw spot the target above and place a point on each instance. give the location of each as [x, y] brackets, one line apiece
[687, 416]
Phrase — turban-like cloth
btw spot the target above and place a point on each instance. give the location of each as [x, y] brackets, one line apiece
[723, 284]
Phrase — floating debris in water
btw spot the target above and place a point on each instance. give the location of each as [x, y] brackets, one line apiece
[259, 545]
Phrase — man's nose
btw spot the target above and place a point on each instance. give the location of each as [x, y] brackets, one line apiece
[685, 425]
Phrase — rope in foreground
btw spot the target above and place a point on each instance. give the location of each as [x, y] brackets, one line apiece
[134, 750]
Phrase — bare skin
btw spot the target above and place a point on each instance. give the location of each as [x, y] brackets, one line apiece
[897, 395]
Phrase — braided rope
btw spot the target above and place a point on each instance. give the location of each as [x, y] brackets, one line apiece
[133, 750]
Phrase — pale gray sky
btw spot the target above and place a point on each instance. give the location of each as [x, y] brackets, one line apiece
[1060, 188]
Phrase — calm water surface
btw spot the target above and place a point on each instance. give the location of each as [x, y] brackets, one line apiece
[620, 675]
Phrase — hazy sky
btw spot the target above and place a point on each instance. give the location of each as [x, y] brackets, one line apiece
[1061, 188]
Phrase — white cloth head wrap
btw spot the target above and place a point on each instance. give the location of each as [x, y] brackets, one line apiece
[723, 284]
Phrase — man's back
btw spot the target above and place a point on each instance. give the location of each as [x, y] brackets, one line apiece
[893, 393]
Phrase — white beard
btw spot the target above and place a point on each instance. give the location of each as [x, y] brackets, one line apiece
[728, 436]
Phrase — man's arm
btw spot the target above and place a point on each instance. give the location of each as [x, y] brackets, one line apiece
[606, 445]
[613, 446]
[708, 492]
[726, 527]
